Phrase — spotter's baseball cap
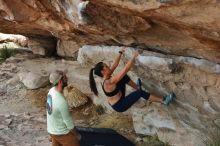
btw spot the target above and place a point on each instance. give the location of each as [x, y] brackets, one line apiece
[55, 77]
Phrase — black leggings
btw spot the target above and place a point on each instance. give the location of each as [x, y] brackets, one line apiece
[127, 101]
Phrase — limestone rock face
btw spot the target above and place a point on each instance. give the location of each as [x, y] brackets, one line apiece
[74, 97]
[196, 83]
[42, 46]
[183, 28]
[67, 48]
[18, 39]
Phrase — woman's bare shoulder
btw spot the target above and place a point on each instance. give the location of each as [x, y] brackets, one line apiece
[108, 82]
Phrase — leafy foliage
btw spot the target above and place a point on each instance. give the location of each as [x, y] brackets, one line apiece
[6, 53]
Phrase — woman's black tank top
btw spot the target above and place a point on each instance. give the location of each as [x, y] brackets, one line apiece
[110, 94]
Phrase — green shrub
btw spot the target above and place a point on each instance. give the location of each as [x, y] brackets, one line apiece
[213, 138]
[11, 45]
[100, 110]
[6, 53]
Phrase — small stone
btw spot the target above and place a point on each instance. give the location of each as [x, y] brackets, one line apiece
[85, 113]
[92, 123]
[8, 121]
[43, 120]
[138, 139]
[7, 116]
[19, 127]
[122, 129]
[79, 121]
[3, 127]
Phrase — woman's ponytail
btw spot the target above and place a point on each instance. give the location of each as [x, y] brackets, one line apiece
[92, 82]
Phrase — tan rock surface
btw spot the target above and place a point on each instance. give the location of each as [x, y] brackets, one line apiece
[186, 28]
[74, 96]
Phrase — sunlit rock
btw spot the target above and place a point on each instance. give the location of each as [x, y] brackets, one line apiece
[75, 97]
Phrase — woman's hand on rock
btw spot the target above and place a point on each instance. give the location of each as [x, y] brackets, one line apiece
[135, 53]
[123, 49]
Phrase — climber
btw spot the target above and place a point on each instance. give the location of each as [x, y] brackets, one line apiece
[114, 85]
[82, 14]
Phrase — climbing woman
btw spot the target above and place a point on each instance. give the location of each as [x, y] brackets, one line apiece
[114, 86]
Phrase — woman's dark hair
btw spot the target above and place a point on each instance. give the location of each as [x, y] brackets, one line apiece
[97, 70]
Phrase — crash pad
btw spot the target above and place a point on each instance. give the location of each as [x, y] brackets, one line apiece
[102, 137]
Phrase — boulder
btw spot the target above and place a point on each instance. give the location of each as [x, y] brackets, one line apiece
[74, 96]
[34, 80]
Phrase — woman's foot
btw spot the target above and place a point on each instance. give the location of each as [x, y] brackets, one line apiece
[139, 84]
[168, 98]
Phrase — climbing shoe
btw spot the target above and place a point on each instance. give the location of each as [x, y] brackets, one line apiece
[168, 98]
[139, 84]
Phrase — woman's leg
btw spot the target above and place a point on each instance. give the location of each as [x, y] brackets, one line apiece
[129, 100]
[165, 100]
[133, 84]
[154, 98]
[122, 84]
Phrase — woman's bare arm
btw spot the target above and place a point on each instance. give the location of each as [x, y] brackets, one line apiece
[117, 60]
[115, 79]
